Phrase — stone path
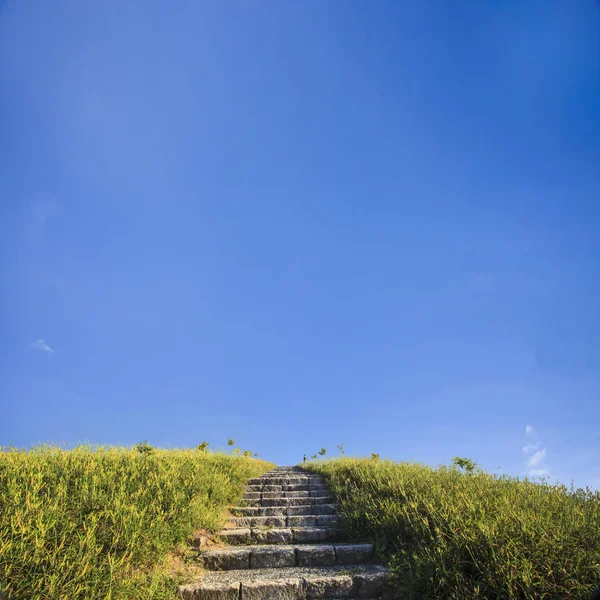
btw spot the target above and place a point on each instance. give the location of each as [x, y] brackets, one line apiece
[287, 543]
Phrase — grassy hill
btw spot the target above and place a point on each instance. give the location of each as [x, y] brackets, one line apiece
[104, 522]
[100, 522]
[452, 534]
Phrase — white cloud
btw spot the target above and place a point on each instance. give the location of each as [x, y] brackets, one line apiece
[537, 458]
[531, 447]
[538, 472]
[529, 429]
[42, 346]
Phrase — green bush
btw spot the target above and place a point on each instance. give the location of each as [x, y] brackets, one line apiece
[448, 534]
[91, 522]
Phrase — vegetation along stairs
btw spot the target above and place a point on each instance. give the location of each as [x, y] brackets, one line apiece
[286, 542]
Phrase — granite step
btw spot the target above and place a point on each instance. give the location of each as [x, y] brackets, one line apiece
[273, 491]
[292, 521]
[282, 501]
[291, 583]
[286, 535]
[302, 480]
[283, 511]
[286, 541]
[286, 555]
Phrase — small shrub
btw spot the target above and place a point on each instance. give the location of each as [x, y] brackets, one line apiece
[144, 448]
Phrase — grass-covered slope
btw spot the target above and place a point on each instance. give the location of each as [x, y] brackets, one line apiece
[95, 523]
[448, 534]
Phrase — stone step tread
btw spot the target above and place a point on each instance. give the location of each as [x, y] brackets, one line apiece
[285, 535]
[343, 581]
[279, 501]
[306, 493]
[286, 481]
[292, 521]
[305, 510]
[286, 555]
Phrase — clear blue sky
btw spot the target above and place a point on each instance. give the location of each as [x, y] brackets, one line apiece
[304, 223]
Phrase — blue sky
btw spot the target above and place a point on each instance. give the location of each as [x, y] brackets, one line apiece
[304, 223]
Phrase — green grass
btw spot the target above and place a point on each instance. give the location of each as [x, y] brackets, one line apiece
[99, 523]
[449, 534]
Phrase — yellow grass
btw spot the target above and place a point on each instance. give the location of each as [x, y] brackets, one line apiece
[99, 523]
[448, 534]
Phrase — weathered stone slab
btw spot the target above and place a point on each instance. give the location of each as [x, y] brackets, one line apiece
[353, 554]
[327, 520]
[269, 522]
[239, 522]
[296, 480]
[371, 584]
[302, 521]
[272, 557]
[315, 556]
[249, 495]
[253, 489]
[322, 500]
[271, 495]
[235, 536]
[296, 494]
[295, 487]
[324, 509]
[210, 591]
[226, 559]
[295, 511]
[245, 511]
[311, 534]
[272, 536]
[273, 589]
[337, 586]
[273, 511]
[272, 488]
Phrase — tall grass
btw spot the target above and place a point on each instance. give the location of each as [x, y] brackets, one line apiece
[448, 534]
[89, 523]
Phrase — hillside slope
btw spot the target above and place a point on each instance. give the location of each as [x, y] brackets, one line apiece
[98, 523]
[448, 534]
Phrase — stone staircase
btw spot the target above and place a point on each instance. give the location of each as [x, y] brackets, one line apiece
[286, 543]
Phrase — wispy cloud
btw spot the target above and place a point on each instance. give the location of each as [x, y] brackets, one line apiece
[531, 447]
[538, 472]
[42, 346]
[537, 458]
[533, 464]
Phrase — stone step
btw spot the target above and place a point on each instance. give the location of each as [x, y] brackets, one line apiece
[303, 479]
[277, 556]
[298, 521]
[286, 535]
[294, 494]
[279, 501]
[284, 511]
[286, 488]
[290, 583]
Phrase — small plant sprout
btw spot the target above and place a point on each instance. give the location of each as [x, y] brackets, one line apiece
[341, 449]
[203, 447]
[464, 463]
[314, 456]
[247, 453]
[374, 456]
[230, 442]
[144, 448]
[323, 451]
